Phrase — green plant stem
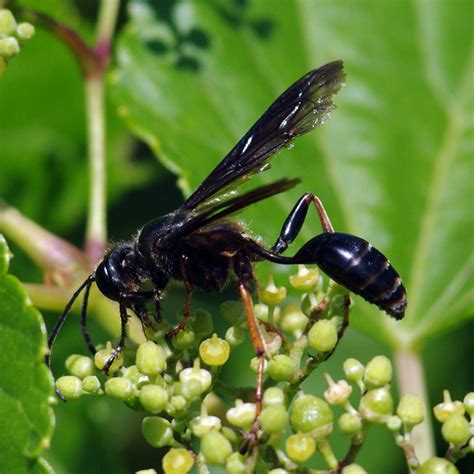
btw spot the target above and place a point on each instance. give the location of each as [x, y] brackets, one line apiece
[411, 379]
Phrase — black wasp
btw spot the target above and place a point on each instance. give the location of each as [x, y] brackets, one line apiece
[197, 245]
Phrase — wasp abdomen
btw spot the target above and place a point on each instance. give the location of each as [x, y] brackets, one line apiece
[361, 268]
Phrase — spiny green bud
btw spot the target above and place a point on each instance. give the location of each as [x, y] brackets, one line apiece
[437, 466]
[150, 358]
[80, 366]
[261, 312]
[200, 425]
[25, 31]
[281, 368]
[272, 295]
[308, 413]
[274, 419]
[350, 424]
[7, 22]
[353, 370]
[469, 403]
[235, 464]
[242, 415]
[273, 396]
[337, 393]
[322, 337]
[293, 320]
[177, 461]
[157, 431]
[153, 398]
[411, 410]
[203, 324]
[9, 47]
[235, 336]
[102, 357]
[214, 351]
[70, 386]
[232, 311]
[353, 469]
[196, 373]
[300, 447]
[306, 278]
[394, 423]
[254, 364]
[443, 411]
[215, 447]
[376, 405]
[91, 384]
[455, 430]
[185, 339]
[119, 387]
[378, 372]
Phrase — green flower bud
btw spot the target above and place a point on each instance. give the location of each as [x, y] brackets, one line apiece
[353, 370]
[378, 372]
[353, 469]
[9, 47]
[91, 384]
[153, 398]
[177, 405]
[437, 466]
[203, 324]
[443, 411]
[455, 430]
[394, 423]
[119, 387]
[7, 22]
[235, 464]
[214, 351]
[70, 386]
[102, 357]
[137, 378]
[272, 295]
[150, 358]
[293, 320]
[235, 336]
[300, 447]
[196, 373]
[281, 368]
[261, 312]
[337, 393]
[350, 424]
[273, 396]
[242, 415]
[376, 405]
[215, 447]
[80, 366]
[232, 311]
[200, 425]
[177, 461]
[274, 419]
[308, 413]
[25, 31]
[322, 337]
[185, 339]
[254, 364]
[469, 403]
[411, 410]
[192, 390]
[157, 431]
[306, 278]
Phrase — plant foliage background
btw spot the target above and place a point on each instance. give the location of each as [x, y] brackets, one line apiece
[393, 165]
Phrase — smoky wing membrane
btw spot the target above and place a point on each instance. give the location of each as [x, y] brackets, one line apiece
[302, 107]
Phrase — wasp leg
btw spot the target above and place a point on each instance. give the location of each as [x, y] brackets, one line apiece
[123, 334]
[85, 332]
[293, 223]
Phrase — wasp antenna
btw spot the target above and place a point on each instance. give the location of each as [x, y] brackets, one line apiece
[59, 323]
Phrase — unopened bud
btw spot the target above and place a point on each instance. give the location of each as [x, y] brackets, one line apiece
[378, 372]
[411, 410]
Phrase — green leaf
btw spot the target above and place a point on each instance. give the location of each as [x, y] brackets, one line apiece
[392, 165]
[25, 382]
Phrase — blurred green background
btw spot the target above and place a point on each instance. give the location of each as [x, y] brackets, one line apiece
[393, 165]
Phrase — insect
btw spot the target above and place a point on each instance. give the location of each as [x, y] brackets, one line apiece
[198, 245]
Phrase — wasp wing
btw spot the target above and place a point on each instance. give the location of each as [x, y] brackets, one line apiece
[302, 107]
